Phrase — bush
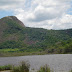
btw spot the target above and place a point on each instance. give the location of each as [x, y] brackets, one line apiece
[24, 67]
[6, 67]
[45, 69]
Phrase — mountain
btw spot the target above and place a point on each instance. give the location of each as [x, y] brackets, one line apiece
[14, 35]
[8, 26]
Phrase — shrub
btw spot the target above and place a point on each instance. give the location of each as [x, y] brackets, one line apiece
[45, 69]
[6, 67]
[24, 67]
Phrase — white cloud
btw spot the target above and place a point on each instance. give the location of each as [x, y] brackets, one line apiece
[42, 13]
[48, 14]
[66, 19]
[11, 4]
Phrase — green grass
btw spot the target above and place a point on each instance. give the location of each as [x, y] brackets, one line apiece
[70, 71]
[24, 67]
[9, 50]
[45, 69]
[6, 67]
[10, 54]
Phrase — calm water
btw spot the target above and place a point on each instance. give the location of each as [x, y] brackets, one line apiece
[57, 62]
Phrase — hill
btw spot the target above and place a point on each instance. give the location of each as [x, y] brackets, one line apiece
[15, 37]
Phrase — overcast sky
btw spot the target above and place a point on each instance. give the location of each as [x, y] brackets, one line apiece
[48, 14]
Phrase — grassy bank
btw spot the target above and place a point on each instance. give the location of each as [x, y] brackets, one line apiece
[14, 52]
[10, 54]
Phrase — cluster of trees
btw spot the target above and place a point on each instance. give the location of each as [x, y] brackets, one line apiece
[61, 47]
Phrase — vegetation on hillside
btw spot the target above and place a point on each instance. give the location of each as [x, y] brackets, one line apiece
[61, 47]
[14, 37]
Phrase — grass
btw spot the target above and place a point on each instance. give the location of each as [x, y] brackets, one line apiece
[70, 71]
[45, 69]
[6, 67]
[10, 54]
[24, 67]
[9, 50]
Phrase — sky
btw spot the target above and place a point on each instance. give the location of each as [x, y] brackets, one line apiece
[48, 14]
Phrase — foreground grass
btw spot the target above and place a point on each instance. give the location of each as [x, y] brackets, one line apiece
[45, 69]
[25, 67]
[6, 67]
[70, 70]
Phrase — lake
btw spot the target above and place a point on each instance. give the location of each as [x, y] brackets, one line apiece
[57, 62]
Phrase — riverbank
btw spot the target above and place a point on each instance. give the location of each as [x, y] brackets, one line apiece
[8, 54]
[14, 54]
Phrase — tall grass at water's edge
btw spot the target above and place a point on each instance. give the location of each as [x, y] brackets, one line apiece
[6, 67]
[45, 69]
[70, 70]
[24, 67]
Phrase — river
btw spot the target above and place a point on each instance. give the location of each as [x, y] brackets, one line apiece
[57, 62]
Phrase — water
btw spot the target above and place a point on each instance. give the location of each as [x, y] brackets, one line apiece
[57, 62]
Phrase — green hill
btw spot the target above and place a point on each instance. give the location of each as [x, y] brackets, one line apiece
[15, 37]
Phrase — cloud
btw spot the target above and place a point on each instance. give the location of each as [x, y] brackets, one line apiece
[48, 9]
[11, 4]
[42, 13]
[64, 22]
[48, 14]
